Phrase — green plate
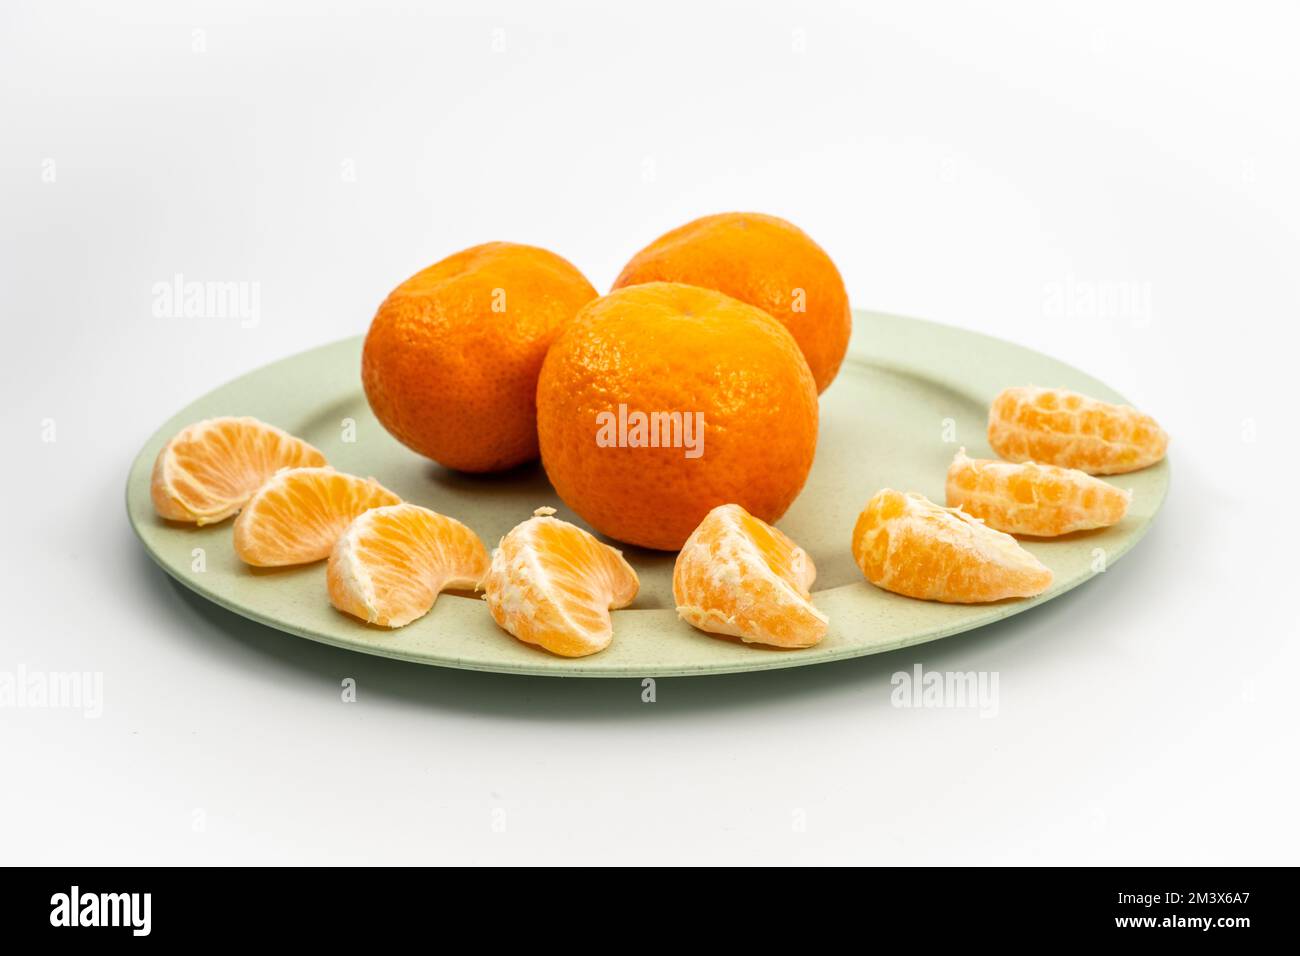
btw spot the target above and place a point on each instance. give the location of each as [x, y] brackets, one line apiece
[908, 395]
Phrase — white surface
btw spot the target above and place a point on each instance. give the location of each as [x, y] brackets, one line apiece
[964, 165]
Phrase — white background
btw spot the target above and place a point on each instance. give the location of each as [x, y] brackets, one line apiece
[1003, 168]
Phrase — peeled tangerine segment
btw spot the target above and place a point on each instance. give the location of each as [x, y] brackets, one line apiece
[210, 469]
[299, 514]
[553, 584]
[907, 544]
[1033, 499]
[391, 564]
[737, 575]
[1054, 426]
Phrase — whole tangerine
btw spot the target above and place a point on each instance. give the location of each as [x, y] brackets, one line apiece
[659, 402]
[451, 360]
[764, 261]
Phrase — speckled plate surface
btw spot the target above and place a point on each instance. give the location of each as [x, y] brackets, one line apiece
[909, 394]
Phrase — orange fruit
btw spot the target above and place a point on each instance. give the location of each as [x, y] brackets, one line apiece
[739, 576]
[553, 584]
[909, 545]
[391, 564]
[659, 402]
[763, 261]
[450, 363]
[1033, 499]
[211, 468]
[1055, 426]
[300, 512]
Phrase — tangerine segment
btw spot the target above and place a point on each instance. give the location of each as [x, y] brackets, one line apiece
[907, 544]
[1059, 427]
[300, 512]
[553, 584]
[738, 575]
[391, 564]
[211, 468]
[1033, 499]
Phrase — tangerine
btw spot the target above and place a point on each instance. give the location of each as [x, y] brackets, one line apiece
[766, 262]
[451, 360]
[659, 402]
